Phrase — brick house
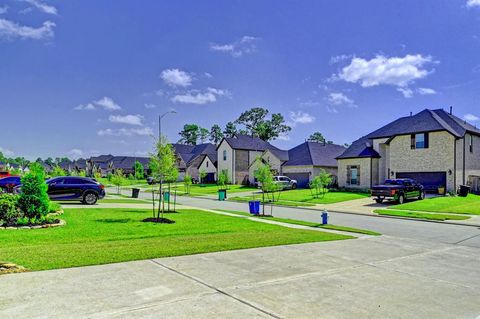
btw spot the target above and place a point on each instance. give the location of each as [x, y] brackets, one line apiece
[194, 158]
[434, 147]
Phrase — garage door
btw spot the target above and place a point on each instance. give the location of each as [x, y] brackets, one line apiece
[302, 179]
[431, 181]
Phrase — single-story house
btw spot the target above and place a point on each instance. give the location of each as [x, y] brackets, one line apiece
[434, 147]
[303, 162]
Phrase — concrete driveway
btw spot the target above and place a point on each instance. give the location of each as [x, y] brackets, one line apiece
[380, 277]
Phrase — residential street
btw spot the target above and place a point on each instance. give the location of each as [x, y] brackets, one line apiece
[412, 229]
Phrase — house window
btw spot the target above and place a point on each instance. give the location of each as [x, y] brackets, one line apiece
[353, 175]
[419, 141]
[225, 155]
[207, 163]
[470, 143]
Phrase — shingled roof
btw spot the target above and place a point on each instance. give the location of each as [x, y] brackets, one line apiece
[188, 153]
[246, 142]
[424, 121]
[313, 153]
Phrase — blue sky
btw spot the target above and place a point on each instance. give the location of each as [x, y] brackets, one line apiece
[86, 77]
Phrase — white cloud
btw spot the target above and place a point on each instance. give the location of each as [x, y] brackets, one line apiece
[471, 118]
[75, 153]
[150, 106]
[407, 92]
[195, 97]
[381, 70]
[426, 91]
[283, 138]
[86, 107]
[473, 3]
[340, 58]
[176, 77]
[208, 75]
[127, 119]
[331, 109]
[309, 103]
[245, 45]
[11, 30]
[106, 103]
[42, 6]
[6, 152]
[3, 9]
[338, 98]
[301, 118]
[126, 132]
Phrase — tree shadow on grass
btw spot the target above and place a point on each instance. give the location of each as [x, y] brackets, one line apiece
[158, 220]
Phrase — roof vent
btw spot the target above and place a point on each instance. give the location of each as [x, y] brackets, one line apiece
[451, 110]
[411, 113]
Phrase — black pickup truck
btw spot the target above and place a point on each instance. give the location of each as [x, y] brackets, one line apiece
[398, 190]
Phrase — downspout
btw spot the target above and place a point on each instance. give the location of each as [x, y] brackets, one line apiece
[455, 163]
[464, 161]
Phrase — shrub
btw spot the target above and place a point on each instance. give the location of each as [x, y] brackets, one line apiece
[109, 176]
[33, 200]
[131, 177]
[9, 211]
[187, 182]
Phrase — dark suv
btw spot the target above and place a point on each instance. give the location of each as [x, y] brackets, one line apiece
[84, 189]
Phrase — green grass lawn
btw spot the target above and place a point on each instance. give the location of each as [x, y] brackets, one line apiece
[457, 205]
[420, 215]
[309, 224]
[124, 201]
[304, 197]
[127, 182]
[279, 202]
[100, 236]
[207, 189]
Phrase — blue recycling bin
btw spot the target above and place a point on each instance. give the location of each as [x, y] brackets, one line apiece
[324, 218]
[254, 207]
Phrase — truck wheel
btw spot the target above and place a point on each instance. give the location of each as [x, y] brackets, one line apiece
[379, 200]
[401, 199]
[422, 195]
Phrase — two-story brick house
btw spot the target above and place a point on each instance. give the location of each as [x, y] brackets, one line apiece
[434, 147]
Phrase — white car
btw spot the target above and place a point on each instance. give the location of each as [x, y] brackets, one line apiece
[284, 182]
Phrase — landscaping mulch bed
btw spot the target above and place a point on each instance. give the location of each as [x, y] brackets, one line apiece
[10, 268]
[58, 223]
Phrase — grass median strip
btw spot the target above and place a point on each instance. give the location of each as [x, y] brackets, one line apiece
[309, 224]
[278, 203]
[420, 215]
[100, 236]
[455, 205]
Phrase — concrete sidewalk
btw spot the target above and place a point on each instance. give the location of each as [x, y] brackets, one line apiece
[380, 277]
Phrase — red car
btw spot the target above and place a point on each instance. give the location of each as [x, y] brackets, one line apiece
[4, 174]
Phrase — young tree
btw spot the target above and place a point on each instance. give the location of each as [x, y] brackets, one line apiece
[118, 179]
[98, 174]
[204, 133]
[216, 134]
[202, 174]
[189, 135]
[163, 164]
[222, 179]
[139, 171]
[187, 183]
[319, 183]
[230, 130]
[264, 176]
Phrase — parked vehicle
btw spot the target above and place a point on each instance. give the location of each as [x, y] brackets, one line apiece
[4, 174]
[7, 184]
[398, 190]
[284, 182]
[70, 188]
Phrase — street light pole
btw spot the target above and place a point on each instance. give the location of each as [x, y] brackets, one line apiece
[160, 122]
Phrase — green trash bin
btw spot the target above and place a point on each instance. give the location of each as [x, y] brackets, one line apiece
[166, 196]
[222, 194]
